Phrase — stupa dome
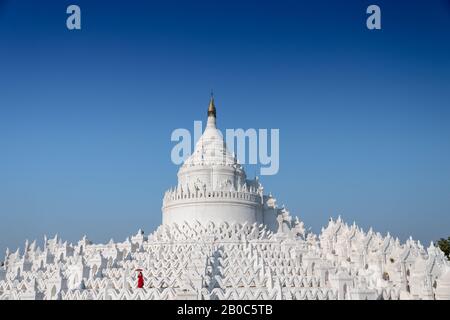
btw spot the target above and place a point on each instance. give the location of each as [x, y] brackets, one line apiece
[213, 187]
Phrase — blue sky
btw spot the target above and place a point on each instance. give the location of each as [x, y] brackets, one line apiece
[86, 116]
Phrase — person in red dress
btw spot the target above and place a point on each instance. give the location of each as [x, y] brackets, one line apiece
[140, 280]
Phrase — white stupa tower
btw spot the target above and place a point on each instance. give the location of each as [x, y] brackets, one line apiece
[213, 187]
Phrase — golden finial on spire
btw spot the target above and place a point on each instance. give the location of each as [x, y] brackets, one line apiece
[212, 107]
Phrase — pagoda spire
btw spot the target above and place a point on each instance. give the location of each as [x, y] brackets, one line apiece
[212, 106]
[211, 123]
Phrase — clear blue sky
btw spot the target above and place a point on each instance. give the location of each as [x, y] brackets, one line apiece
[86, 116]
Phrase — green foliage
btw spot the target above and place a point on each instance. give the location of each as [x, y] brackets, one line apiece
[444, 245]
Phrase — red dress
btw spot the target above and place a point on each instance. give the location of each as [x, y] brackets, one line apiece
[140, 280]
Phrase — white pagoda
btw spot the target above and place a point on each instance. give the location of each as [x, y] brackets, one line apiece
[213, 187]
[222, 238]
